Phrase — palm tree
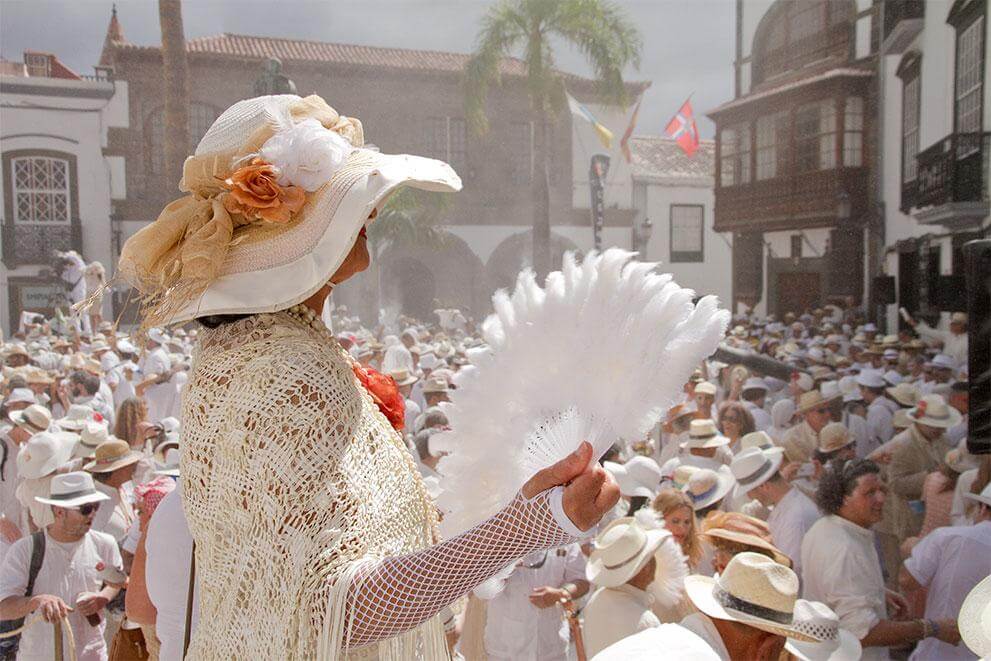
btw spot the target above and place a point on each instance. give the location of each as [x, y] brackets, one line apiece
[597, 28]
[411, 217]
[175, 69]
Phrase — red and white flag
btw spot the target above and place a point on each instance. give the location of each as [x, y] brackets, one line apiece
[683, 129]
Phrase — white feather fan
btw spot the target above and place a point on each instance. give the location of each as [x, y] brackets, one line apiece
[598, 354]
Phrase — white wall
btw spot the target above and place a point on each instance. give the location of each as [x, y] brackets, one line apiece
[585, 143]
[77, 126]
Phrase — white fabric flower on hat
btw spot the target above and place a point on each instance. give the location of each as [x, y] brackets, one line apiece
[307, 154]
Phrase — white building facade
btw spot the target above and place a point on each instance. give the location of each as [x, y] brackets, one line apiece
[935, 142]
[57, 187]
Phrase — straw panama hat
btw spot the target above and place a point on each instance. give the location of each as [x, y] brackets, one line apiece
[72, 490]
[90, 438]
[35, 418]
[813, 399]
[705, 388]
[76, 417]
[974, 620]
[265, 266]
[703, 434]
[756, 439]
[904, 393]
[834, 436]
[111, 455]
[621, 550]
[753, 590]
[753, 467]
[403, 377]
[819, 620]
[748, 539]
[707, 486]
[933, 411]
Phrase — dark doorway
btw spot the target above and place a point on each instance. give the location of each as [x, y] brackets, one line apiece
[410, 284]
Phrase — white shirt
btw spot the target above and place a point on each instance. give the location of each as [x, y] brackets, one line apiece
[879, 422]
[789, 520]
[397, 358]
[840, 567]
[954, 346]
[676, 641]
[67, 570]
[114, 516]
[412, 411]
[159, 396]
[10, 506]
[860, 433]
[169, 546]
[950, 562]
[960, 506]
[762, 419]
[703, 627]
[612, 614]
[516, 629]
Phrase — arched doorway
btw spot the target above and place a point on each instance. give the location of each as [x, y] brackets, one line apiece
[516, 253]
[410, 285]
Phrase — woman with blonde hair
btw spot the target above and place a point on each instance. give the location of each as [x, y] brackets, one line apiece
[128, 424]
[679, 518]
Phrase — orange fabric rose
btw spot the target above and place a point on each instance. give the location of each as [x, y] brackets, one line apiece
[256, 194]
[385, 394]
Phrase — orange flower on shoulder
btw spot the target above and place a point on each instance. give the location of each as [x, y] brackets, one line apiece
[256, 194]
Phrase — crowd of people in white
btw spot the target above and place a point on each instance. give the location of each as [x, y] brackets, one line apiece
[834, 515]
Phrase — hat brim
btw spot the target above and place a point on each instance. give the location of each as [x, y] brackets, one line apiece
[848, 649]
[972, 618]
[699, 591]
[168, 472]
[95, 497]
[131, 458]
[725, 483]
[825, 400]
[716, 441]
[279, 286]
[596, 572]
[776, 456]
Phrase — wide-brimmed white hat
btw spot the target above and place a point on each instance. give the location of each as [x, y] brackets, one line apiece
[429, 361]
[943, 362]
[34, 418]
[703, 434]
[21, 396]
[266, 264]
[753, 467]
[76, 417]
[755, 383]
[403, 377]
[621, 550]
[974, 621]
[817, 619]
[44, 453]
[707, 486]
[640, 476]
[753, 590]
[72, 490]
[705, 388]
[871, 379]
[92, 434]
[756, 439]
[933, 411]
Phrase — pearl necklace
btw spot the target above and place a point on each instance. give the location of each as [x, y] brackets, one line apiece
[308, 317]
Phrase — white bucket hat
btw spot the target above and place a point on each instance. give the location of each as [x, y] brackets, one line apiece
[44, 453]
[871, 379]
[640, 476]
[933, 411]
[72, 490]
[753, 467]
[76, 417]
[707, 486]
[620, 551]
[21, 396]
[753, 590]
[974, 621]
[92, 434]
[268, 258]
[818, 620]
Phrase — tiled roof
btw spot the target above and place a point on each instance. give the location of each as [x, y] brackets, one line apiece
[247, 46]
[842, 72]
[656, 156]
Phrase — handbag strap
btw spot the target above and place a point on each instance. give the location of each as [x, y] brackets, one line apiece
[189, 601]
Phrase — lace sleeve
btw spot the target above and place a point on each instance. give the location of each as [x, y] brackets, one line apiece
[393, 595]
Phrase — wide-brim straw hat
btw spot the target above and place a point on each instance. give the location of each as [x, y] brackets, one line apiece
[706, 486]
[834, 436]
[72, 490]
[703, 434]
[198, 258]
[753, 467]
[748, 539]
[111, 455]
[35, 418]
[814, 398]
[621, 550]
[44, 453]
[904, 393]
[933, 411]
[753, 590]
[974, 620]
[403, 377]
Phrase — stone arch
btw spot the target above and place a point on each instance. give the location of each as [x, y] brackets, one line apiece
[417, 279]
[516, 253]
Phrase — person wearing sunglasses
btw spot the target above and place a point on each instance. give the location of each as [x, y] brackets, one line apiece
[71, 579]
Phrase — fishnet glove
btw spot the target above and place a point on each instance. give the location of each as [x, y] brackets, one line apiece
[394, 595]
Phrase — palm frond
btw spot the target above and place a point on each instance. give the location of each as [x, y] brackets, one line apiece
[411, 217]
[502, 30]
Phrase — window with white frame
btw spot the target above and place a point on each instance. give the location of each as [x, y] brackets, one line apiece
[687, 225]
[815, 136]
[969, 78]
[446, 138]
[772, 145]
[41, 189]
[910, 129]
[734, 149]
[853, 132]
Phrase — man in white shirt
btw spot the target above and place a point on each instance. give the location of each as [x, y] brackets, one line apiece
[758, 475]
[954, 340]
[950, 562]
[524, 620]
[841, 568]
[879, 408]
[113, 467]
[754, 397]
[70, 576]
[622, 567]
[156, 370]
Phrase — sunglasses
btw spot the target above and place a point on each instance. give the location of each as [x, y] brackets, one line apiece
[87, 509]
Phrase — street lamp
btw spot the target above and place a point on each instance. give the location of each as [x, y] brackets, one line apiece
[641, 237]
[843, 206]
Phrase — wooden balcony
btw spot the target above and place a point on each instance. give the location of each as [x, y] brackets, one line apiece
[902, 23]
[952, 183]
[36, 243]
[799, 201]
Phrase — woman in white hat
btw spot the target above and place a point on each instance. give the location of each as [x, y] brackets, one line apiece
[301, 497]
